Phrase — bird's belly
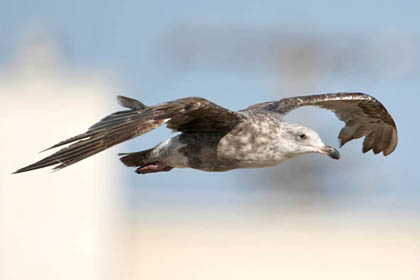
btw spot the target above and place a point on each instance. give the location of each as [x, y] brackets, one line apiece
[196, 151]
[169, 151]
[199, 151]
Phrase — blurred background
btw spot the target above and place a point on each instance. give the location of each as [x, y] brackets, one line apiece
[63, 62]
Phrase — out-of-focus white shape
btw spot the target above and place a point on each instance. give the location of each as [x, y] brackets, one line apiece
[53, 225]
[296, 247]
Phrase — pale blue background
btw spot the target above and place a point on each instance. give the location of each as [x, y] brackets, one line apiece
[128, 37]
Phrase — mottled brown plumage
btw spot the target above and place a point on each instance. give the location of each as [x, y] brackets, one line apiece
[235, 139]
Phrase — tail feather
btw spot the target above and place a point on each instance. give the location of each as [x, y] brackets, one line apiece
[135, 159]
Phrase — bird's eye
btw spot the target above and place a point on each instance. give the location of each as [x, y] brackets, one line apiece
[301, 136]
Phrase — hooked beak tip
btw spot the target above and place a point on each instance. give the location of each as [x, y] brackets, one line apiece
[331, 152]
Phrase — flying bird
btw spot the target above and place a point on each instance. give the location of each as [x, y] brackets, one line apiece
[213, 138]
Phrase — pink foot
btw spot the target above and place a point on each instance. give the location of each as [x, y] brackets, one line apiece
[153, 167]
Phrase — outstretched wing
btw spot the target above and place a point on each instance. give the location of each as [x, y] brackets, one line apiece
[362, 114]
[186, 115]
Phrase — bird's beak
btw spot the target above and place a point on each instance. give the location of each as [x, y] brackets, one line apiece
[331, 152]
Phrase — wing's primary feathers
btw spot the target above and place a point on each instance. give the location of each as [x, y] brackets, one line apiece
[362, 114]
[185, 115]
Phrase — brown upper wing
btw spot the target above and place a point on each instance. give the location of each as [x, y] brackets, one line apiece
[362, 114]
[186, 115]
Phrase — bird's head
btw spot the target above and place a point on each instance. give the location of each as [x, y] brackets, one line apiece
[303, 140]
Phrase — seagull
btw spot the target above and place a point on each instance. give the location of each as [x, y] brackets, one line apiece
[215, 139]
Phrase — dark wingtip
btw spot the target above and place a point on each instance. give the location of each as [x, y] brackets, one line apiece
[47, 149]
[21, 170]
[386, 153]
[26, 169]
[365, 150]
[376, 150]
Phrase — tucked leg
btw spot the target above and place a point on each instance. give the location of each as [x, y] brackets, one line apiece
[153, 167]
